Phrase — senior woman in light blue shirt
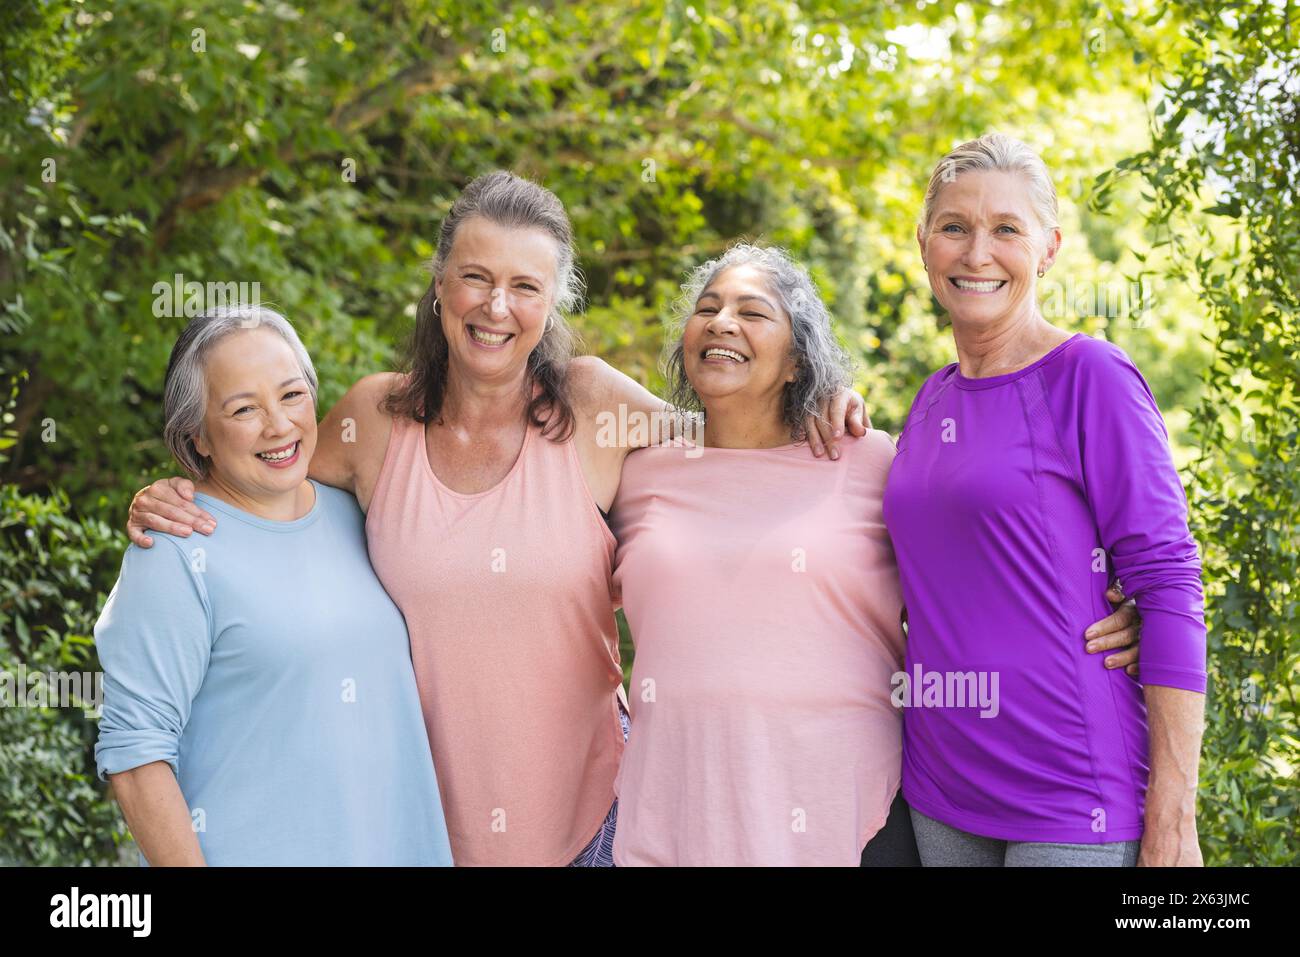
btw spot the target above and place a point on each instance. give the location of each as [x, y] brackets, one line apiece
[259, 702]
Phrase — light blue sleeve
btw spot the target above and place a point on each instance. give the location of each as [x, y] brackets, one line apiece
[155, 639]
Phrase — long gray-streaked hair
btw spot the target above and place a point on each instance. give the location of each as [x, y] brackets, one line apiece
[185, 389]
[516, 203]
[822, 365]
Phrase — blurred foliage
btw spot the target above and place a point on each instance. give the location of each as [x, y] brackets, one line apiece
[1221, 175]
[55, 571]
[313, 149]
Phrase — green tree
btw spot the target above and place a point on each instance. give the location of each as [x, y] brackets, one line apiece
[1221, 174]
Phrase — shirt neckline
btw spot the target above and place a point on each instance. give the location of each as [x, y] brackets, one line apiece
[708, 449]
[423, 449]
[271, 525]
[992, 382]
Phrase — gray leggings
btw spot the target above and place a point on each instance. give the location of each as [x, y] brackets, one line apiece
[944, 846]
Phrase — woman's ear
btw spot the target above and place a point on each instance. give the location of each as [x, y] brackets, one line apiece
[1053, 247]
[920, 241]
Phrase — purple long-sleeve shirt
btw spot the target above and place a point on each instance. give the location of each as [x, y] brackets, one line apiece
[1012, 502]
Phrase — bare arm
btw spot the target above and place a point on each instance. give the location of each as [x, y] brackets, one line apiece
[156, 812]
[353, 437]
[1176, 719]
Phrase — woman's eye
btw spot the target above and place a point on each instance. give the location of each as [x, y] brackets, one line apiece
[292, 395]
[243, 408]
[528, 286]
[705, 312]
[753, 315]
[950, 227]
[1005, 226]
[474, 275]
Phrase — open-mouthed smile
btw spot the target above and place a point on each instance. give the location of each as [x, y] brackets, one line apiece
[979, 287]
[282, 457]
[486, 339]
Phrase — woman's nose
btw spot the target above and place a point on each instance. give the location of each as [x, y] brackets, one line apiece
[977, 250]
[278, 422]
[497, 307]
[721, 322]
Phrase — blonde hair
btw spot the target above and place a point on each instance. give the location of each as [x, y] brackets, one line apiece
[1001, 153]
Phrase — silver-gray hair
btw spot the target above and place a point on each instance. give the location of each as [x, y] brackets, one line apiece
[999, 153]
[822, 365]
[185, 389]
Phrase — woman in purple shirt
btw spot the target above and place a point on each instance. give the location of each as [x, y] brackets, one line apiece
[1028, 474]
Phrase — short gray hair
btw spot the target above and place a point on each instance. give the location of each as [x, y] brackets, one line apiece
[996, 152]
[185, 389]
[822, 365]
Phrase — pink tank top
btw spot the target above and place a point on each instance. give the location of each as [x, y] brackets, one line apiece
[506, 595]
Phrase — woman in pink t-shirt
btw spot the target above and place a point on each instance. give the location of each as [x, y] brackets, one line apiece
[763, 599]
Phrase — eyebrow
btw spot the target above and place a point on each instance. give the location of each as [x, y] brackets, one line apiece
[522, 275]
[714, 295]
[250, 395]
[953, 214]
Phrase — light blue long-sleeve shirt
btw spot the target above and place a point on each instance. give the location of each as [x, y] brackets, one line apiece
[267, 665]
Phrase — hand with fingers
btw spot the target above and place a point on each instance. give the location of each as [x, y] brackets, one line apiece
[1120, 632]
[167, 506]
[846, 409]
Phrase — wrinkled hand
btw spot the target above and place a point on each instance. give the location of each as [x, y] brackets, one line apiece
[1122, 630]
[167, 506]
[846, 409]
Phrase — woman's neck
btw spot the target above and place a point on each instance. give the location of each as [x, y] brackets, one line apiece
[282, 507]
[1006, 346]
[730, 425]
[477, 406]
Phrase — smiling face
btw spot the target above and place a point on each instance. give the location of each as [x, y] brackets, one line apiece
[495, 291]
[259, 427]
[984, 247]
[738, 341]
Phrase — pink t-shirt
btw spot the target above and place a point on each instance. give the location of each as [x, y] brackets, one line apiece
[764, 603]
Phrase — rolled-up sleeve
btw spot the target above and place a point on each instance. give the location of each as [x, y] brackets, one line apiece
[154, 642]
[1140, 509]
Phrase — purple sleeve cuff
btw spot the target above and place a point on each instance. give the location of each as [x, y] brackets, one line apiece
[1172, 652]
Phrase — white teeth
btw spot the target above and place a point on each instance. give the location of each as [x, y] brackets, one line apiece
[279, 456]
[488, 338]
[990, 286]
[725, 353]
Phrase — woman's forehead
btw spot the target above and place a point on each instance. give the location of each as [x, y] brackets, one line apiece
[986, 193]
[493, 245]
[740, 280]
